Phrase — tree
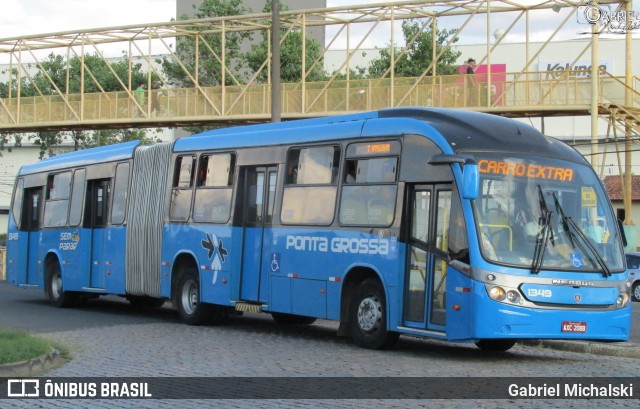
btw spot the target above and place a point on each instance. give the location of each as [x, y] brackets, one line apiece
[209, 67]
[51, 78]
[55, 67]
[419, 53]
[290, 53]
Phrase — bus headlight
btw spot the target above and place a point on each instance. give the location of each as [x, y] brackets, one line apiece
[497, 293]
[513, 296]
[623, 300]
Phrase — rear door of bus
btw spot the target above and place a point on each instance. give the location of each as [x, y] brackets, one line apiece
[258, 186]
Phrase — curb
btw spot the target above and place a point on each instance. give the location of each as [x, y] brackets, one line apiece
[625, 350]
[32, 366]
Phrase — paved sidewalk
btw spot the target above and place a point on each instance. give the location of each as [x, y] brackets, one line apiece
[620, 349]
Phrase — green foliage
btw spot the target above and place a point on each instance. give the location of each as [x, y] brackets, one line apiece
[209, 67]
[18, 346]
[47, 140]
[419, 53]
[290, 55]
[54, 72]
[111, 136]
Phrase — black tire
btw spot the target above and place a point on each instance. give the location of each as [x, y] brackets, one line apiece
[192, 311]
[635, 292]
[290, 319]
[496, 345]
[368, 317]
[142, 301]
[54, 288]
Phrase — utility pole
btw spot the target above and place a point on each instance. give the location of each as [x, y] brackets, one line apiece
[276, 104]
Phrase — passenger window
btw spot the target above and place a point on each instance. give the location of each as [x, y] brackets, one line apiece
[214, 188]
[77, 197]
[313, 166]
[216, 170]
[311, 185]
[369, 191]
[182, 190]
[120, 194]
[57, 199]
[16, 209]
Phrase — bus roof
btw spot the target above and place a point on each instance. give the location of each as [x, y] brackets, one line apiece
[452, 130]
[83, 157]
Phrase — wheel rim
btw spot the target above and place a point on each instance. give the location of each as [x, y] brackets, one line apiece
[636, 291]
[190, 296]
[369, 314]
[56, 285]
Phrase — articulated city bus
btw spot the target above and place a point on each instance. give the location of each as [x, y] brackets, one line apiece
[446, 224]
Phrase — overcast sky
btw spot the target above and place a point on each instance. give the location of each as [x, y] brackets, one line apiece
[29, 17]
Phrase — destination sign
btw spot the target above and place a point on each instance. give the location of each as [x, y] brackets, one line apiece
[374, 148]
[530, 170]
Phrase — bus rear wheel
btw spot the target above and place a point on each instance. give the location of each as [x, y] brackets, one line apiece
[290, 319]
[192, 310]
[368, 317]
[54, 288]
[496, 345]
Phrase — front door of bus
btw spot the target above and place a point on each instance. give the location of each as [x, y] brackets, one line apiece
[32, 220]
[96, 220]
[426, 273]
[259, 187]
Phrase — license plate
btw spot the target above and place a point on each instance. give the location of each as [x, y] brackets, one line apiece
[572, 326]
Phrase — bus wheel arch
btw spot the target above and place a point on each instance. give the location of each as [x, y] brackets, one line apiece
[54, 286]
[363, 310]
[186, 291]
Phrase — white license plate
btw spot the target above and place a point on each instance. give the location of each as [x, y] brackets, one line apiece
[573, 326]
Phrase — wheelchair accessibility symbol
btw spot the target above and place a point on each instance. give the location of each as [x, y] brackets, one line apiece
[275, 262]
[576, 260]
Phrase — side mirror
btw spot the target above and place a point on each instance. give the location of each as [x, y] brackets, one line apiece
[470, 173]
[470, 181]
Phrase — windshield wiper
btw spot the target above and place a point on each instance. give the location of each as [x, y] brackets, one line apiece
[573, 230]
[543, 236]
[565, 223]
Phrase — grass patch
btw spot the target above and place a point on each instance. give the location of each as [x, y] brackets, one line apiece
[16, 346]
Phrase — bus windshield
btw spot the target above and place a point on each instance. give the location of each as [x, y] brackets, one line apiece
[541, 213]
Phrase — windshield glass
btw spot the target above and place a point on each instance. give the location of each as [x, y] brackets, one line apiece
[541, 213]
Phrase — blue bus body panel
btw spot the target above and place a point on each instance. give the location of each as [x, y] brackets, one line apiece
[218, 266]
[313, 262]
[82, 158]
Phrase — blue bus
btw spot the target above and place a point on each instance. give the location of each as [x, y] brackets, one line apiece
[447, 224]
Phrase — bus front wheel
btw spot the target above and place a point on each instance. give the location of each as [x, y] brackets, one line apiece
[54, 288]
[368, 317]
[496, 345]
[192, 310]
